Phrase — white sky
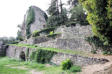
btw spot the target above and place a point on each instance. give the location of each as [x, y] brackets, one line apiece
[12, 13]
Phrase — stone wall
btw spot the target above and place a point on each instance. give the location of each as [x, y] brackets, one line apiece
[77, 60]
[71, 38]
[3, 48]
[36, 40]
[77, 32]
[14, 52]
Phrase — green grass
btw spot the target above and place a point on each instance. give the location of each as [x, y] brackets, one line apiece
[66, 51]
[7, 70]
[52, 69]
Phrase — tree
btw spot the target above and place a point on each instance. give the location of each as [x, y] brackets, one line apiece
[100, 17]
[78, 15]
[58, 14]
[19, 36]
[73, 2]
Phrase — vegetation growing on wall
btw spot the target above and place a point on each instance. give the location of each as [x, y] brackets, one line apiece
[45, 31]
[96, 43]
[53, 35]
[42, 56]
[67, 64]
[30, 19]
[100, 17]
[35, 33]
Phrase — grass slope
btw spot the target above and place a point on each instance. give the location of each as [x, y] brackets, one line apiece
[30, 66]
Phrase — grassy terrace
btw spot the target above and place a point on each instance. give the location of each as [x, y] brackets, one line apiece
[81, 53]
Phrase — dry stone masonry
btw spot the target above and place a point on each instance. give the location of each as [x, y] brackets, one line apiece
[15, 51]
[71, 38]
[3, 48]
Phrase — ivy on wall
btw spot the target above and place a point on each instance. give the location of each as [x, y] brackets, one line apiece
[42, 56]
[30, 19]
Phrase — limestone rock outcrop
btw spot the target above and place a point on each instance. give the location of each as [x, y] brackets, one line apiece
[39, 20]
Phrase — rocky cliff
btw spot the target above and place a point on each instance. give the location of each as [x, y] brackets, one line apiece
[34, 19]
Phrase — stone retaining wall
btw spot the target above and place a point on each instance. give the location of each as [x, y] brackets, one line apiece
[14, 52]
[77, 60]
[2, 49]
[71, 38]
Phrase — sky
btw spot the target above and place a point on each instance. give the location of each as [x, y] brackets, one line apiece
[12, 13]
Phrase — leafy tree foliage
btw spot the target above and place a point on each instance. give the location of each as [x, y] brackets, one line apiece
[78, 15]
[19, 36]
[58, 14]
[73, 2]
[100, 17]
[8, 40]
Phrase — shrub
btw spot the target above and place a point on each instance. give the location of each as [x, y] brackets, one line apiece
[67, 64]
[107, 52]
[75, 69]
[35, 33]
[95, 40]
[94, 51]
[97, 43]
[51, 33]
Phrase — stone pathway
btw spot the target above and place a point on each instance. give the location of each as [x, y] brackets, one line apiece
[98, 68]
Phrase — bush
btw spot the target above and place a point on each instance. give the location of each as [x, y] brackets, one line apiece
[94, 51]
[107, 52]
[51, 33]
[75, 69]
[67, 64]
[95, 41]
[54, 35]
[35, 33]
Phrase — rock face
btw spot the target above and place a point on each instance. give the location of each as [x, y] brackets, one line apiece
[39, 22]
[2, 48]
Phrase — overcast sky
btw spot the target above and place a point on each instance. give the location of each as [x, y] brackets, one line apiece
[12, 13]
